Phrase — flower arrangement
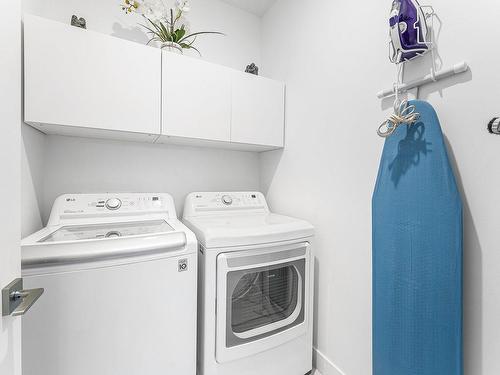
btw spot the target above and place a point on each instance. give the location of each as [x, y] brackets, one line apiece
[166, 24]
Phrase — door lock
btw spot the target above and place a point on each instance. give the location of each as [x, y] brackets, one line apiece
[16, 300]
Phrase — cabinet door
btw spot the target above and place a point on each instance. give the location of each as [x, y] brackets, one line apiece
[80, 78]
[258, 113]
[196, 98]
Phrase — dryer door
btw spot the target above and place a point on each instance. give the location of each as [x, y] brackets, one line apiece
[262, 299]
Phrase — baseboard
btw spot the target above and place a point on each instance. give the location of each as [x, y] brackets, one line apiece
[324, 365]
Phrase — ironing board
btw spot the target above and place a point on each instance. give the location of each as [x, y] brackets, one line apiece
[417, 254]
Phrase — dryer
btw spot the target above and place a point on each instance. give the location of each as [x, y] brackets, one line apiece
[119, 273]
[255, 286]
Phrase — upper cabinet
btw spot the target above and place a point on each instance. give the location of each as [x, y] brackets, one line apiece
[258, 115]
[196, 99]
[80, 82]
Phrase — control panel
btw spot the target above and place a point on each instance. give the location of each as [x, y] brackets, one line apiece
[200, 203]
[94, 205]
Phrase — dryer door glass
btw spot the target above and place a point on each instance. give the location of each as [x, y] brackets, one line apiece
[264, 301]
[264, 297]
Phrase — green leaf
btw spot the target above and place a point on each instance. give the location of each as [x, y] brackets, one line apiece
[175, 37]
[192, 42]
[196, 49]
[189, 46]
[165, 33]
[155, 39]
[150, 31]
[180, 33]
[158, 29]
[200, 33]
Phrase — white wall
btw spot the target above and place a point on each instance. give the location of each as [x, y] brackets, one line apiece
[33, 146]
[55, 165]
[239, 47]
[10, 220]
[333, 57]
[81, 165]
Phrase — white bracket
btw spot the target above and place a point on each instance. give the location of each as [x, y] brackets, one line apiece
[429, 78]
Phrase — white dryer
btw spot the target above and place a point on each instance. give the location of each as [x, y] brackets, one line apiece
[255, 286]
[119, 273]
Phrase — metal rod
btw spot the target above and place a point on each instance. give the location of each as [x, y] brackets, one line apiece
[429, 78]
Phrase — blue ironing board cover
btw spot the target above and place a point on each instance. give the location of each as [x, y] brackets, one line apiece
[417, 254]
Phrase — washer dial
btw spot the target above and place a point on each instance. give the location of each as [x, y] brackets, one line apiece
[227, 200]
[113, 204]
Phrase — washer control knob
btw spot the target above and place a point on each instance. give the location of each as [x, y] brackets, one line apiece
[113, 204]
[113, 234]
[227, 200]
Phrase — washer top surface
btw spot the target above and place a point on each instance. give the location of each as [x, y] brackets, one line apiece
[92, 230]
[246, 220]
[107, 230]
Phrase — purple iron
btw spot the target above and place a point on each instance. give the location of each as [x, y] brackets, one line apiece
[409, 32]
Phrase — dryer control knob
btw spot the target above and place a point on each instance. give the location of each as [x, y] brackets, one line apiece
[227, 200]
[113, 204]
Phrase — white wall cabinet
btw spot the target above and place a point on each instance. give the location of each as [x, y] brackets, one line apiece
[257, 110]
[83, 83]
[80, 82]
[196, 100]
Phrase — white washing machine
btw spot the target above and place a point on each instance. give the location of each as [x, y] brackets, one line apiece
[119, 273]
[255, 286]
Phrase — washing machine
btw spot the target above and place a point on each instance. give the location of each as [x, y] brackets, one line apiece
[119, 273]
[255, 286]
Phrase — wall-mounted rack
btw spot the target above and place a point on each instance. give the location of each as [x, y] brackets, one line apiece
[456, 69]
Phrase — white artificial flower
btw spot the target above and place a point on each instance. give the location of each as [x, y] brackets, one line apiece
[183, 5]
[137, 5]
[132, 5]
[155, 10]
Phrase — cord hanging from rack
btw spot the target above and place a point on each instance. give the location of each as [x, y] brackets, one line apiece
[404, 113]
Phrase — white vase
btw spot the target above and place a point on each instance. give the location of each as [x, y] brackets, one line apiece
[172, 47]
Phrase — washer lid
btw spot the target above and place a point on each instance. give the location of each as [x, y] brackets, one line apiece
[109, 251]
[107, 230]
[74, 247]
[252, 229]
